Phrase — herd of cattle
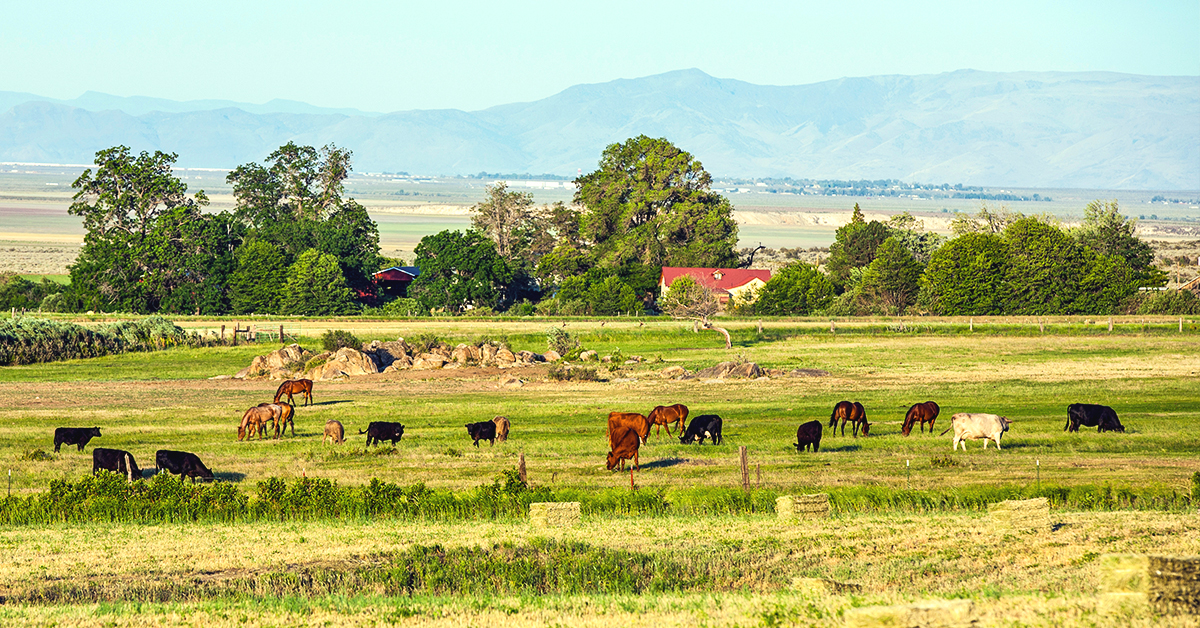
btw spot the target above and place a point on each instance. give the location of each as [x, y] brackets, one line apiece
[627, 431]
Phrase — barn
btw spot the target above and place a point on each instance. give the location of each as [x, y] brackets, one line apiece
[726, 283]
[394, 281]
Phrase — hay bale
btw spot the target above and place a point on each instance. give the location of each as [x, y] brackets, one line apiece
[1020, 515]
[554, 514]
[1167, 585]
[802, 506]
[931, 614]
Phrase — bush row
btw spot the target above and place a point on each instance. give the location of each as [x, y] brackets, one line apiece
[31, 340]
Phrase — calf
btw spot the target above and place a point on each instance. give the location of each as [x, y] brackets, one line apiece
[631, 420]
[977, 426]
[181, 463]
[808, 434]
[625, 446]
[483, 430]
[701, 427]
[334, 431]
[379, 431]
[502, 426]
[74, 436]
[117, 461]
[1103, 418]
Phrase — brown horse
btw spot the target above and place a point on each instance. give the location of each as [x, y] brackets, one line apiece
[254, 421]
[924, 413]
[853, 413]
[666, 415]
[284, 419]
[292, 386]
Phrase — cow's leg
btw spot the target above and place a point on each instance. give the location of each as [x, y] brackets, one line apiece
[80, 446]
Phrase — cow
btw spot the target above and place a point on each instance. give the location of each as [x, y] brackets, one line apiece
[853, 413]
[74, 436]
[483, 430]
[668, 415]
[701, 427]
[977, 426]
[117, 461]
[255, 420]
[920, 413]
[502, 426]
[1103, 418]
[625, 441]
[379, 431]
[181, 463]
[632, 420]
[808, 434]
[335, 431]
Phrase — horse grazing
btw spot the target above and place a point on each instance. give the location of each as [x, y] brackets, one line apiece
[295, 386]
[853, 413]
[254, 421]
[283, 413]
[920, 412]
[666, 415]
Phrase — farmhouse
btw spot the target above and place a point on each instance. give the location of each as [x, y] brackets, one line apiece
[395, 280]
[726, 283]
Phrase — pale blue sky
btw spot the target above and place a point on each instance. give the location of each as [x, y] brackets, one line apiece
[388, 56]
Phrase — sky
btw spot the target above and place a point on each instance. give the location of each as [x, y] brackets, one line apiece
[395, 55]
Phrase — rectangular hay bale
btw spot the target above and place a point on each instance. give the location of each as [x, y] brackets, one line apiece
[554, 514]
[1168, 585]
[802, 506]
[1020, 515]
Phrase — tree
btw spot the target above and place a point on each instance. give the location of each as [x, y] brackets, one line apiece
[1050, 273]
[892, 279]
[316, 287]
[854, 247]
[986, 220]
[798, 289]
[649, 202]
[966, 276]
[612, 297]
[504, 217]
[1107, 232]
[688, 298]
[459, 270]
[257, 283]
[910, 232]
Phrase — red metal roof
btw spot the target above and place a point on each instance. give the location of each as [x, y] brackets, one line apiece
[715, 279]
[397, 273]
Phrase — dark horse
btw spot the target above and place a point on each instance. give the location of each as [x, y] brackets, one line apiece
[288, 387]
[924, 412]
[853, 413]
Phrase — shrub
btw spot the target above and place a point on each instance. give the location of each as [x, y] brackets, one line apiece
[36, 455]
[1169, 302]
[564, 373]
[424, 343]
[560, 340]
[335, 339]
[942, 462]
[33, 340]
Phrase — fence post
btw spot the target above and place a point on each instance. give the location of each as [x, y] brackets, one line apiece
[832, 328]
[222, 334]
[1109, 323]
[281, 333]
[1181, 324]
[745, 468]
[521, 469]
[760, 326]
[971, 325]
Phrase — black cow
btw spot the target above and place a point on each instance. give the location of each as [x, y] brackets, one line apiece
[117, 461]
[181, 463]
[1103, 418]
[483, 430]
[701, 427]
[379, 431]
[809, 434]
[74, 436]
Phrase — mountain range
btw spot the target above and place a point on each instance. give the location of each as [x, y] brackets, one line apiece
[1095, 130]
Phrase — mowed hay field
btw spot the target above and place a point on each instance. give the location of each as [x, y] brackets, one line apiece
[729, 569]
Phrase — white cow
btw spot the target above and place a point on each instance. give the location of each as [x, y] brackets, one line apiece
[978, 426]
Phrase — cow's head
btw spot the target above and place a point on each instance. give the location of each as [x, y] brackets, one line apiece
[1006, 421]
[612, 460]
[95, 431]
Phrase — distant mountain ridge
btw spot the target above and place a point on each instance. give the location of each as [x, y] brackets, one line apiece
[1029, 129]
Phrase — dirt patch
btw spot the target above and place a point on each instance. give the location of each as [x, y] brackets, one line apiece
[36, 258]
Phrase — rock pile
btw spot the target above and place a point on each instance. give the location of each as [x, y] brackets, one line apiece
[279, 364]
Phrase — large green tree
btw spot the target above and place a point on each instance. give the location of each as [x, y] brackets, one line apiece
[1107, 232]
[891, 281]
[798, 289]
[316, 287]
[651, 203]
[966, 276]
[257, 282]
[1050, 273]
[460, 270]
[854, 246]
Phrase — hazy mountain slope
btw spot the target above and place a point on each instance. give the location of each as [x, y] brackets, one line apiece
[1047, 129]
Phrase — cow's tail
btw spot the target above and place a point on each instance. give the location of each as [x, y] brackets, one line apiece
[946, 430]
[361, 432]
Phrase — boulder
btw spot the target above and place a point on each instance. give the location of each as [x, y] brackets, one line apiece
[442, 350]
[731, 370]
[504, 357]
[510, 381]
[588, 356]
[275, 364]
[476, 353]
[461, 354]
[552, 356]
[280, 358]
[748, 370]
[429, 361]
[673, 372]
[634, 359]
[529, 357]
[345, 362]
[716, 372]
[385, 353]
[488, 354]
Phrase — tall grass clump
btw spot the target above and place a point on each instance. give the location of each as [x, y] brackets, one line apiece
[33, 340]
[335, 339]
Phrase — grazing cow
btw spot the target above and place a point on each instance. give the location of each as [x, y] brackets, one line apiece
[701, 427]
[379, 431]
[1103, 418]
[977, 426]
[625, 446]
[291, 386]
[74, 436]
[632, 420]
[668, 415]
[920, 413]
[483, 430]
[181, 463]
[853, 413]
[117, 461]
[808, 434]
[502, 426]
[334, 430]
[255, 420]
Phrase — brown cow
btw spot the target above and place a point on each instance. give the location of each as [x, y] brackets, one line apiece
[502, 426]
[254, 421]
[666, 415]
[335, 431]
[852, 413]
[633, 420]
[920, 412]
[625, 446]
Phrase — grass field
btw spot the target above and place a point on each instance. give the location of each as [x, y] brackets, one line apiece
[739, 568]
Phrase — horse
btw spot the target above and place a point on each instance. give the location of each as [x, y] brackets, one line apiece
[284, 418]
[924, 412]
[666, 415]
[853, 413]
[254, 421]
[288, 387]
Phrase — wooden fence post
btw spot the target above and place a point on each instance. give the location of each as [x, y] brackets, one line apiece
[521, 469]
[1109, 323]
[281, 333]
[745, 468]
[222, 334]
